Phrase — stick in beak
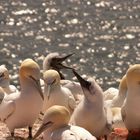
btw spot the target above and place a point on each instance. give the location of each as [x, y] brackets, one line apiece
[42, 128]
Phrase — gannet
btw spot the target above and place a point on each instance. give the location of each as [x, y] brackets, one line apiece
[75, 89]
[5, 81]
[117, 121]
[110, 93]
[130, 109]
[2, 94]
[55, 94]
[90, 112]
[20, 109]
[54, 61]
[56, 126]
[118, 98]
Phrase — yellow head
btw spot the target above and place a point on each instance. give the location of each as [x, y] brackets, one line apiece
[133, 74]
[55, 117]
[29, 68]
[51, 77]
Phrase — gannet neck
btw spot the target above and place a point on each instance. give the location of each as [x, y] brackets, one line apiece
[123, 82]
[95, 93]
[123, 86]
[26, 83]
[55, 87]
[48, 59]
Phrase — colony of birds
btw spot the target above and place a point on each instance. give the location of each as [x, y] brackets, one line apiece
[68, 110]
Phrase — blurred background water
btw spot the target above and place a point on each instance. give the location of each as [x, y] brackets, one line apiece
[103, 34]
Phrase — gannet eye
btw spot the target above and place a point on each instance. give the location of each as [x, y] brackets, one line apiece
[1, 75]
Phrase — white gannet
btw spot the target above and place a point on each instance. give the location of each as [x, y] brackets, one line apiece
[2, 94]
[90, 112]
[55, 126]
[110, 93]
[5, 81]
[20, 109]
[130, 109]
[118, 98]
[55, 94]
[117, 121]
[54, 61]
[75, 89]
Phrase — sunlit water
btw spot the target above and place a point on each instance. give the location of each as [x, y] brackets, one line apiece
[104, 35]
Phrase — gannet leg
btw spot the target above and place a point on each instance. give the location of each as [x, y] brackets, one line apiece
[12, 134]
[30, 132]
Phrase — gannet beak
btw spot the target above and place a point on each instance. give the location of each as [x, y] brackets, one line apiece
[48, 91]
[83, 82]
[38, 86]
[39, 89]
[42, 128]
[57, 62]
[65, 57]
